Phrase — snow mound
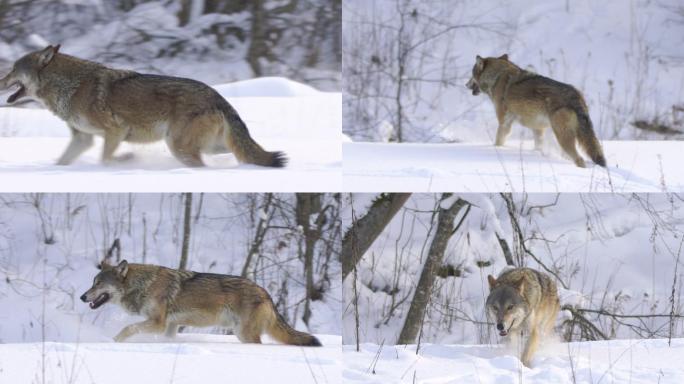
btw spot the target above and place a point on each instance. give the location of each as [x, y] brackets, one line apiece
[266, 87]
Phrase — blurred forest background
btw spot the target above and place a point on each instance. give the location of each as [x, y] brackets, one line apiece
[214, 41]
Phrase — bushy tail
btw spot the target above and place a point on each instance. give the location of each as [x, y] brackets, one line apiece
[587, 138]
[244, 147]
[281, 331]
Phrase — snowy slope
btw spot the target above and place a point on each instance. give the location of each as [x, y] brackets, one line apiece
[198, 359]
[280, 114]
[633, 166]
[617, 361]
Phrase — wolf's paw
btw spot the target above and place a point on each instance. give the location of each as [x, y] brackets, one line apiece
[120, 338]
[126, 157]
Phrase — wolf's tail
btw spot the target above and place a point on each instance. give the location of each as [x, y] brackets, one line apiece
[281, 331]
[587, 138]
[243, 146]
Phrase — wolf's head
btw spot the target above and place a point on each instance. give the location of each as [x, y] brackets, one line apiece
[25, 72]
[506, 305]
[481, 65]
[107, 285]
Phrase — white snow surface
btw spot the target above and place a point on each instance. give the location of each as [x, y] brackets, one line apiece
[633, 166]
[281, 115]
[195, 359]
[615, 361]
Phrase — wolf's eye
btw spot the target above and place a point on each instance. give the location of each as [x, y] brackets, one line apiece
[510, 307]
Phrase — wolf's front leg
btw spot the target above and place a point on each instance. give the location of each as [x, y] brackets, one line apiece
[530, 347]
[505, 123]
[147, 326]
[80, 142]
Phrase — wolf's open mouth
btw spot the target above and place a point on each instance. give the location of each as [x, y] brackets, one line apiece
[504, 332]
[99, 300]
[21, 92]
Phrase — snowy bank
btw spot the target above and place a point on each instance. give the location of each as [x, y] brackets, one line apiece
[616, 361]
[633, 166]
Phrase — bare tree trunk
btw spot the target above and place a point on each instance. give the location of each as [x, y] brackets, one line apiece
[364, 231]
[307, 204]
[186, 232]
[445, 229]
[257, 47]
[262, 228]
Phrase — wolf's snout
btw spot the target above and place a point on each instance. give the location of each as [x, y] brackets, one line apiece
[500, 326]
[83, 298]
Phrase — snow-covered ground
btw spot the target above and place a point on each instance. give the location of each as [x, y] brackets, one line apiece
[615, 361]
[195, 359]
[280, 114]
[633, 166]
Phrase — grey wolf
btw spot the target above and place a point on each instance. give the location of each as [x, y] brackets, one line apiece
[171, 298]
[128, 106]
[523, 299]
[536, 102]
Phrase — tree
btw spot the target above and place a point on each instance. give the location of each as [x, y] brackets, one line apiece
[421, 297]
[186, 232]
[364, 231]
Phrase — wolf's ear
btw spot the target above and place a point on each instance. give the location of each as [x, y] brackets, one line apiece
[122, 268]
[47, 54]
[521, 286]
[479, 62]
[504, 57]
[491, 280]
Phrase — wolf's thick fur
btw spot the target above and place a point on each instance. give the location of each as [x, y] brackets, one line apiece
[128, 106]
[171, 298]
[536, 102]
[523, 299]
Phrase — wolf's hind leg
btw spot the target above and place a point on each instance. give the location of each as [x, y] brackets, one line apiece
[564, 125]
[538, 139]
[80, 142]
[147, 326]
[186, 139]
[112, 140]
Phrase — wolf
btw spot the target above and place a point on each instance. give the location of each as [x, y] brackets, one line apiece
[170, 298]
[523, 299]
[122, 105]
[536, 102]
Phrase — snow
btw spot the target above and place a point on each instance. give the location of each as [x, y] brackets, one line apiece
[633, 166]
[285, 116]
[195, 359]
[615, 361]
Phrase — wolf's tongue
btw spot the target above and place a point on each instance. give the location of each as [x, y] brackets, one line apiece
[19, 93]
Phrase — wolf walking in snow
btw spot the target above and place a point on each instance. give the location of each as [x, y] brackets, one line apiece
[171, 298]
[523, 299]
[536, 102]
[128, 106]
